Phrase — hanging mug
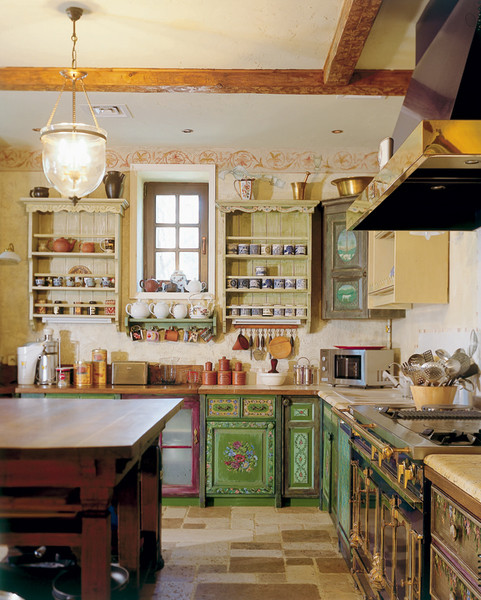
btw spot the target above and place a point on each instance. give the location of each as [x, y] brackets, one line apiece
[243, 187]
[107, 245]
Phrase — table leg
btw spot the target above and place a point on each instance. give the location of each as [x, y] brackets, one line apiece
[95, 559]
[129, 525]
[150, 496]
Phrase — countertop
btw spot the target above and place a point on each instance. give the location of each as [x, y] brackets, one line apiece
[464, 471]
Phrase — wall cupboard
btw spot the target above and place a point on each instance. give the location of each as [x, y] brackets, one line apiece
[74, 286]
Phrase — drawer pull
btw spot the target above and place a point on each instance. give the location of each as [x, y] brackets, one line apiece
[453, 531]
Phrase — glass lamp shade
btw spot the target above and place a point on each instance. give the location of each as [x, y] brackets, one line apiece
[73, 157]
[9, 256]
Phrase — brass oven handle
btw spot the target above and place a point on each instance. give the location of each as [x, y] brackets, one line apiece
[196, 437]
[383, 450]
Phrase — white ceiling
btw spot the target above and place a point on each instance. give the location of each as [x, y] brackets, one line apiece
[214, 34]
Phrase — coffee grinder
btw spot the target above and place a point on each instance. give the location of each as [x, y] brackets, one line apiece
[48, 360]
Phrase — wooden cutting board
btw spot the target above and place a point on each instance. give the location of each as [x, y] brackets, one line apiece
[280, 347]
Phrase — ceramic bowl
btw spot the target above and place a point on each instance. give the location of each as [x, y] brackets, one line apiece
[271, 378]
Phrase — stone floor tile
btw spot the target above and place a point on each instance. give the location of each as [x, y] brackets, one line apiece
[242, 523]
[256, 564]
[174, 512]
[305, 536]
[255, 546]
[332, 565]
[300, 561]
[193, 525]
[271, 577]
[211, 512]
[206, 591]
[172, 523]
[226, 578]
[301, 573]
[173, 590]
[259, 553]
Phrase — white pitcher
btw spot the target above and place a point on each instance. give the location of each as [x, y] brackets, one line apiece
[178, 311]
[195, 286]
[160, 310]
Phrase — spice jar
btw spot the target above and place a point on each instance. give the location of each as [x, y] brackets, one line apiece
[208, 366]
[82, 373]
[99, 367]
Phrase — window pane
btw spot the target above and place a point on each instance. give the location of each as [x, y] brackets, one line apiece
[188, 237]
[165, 237]
[188, 209]
[165, 209]
[189, 263]
[164, 264]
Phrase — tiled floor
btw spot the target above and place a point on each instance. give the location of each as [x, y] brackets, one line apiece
[250, 553]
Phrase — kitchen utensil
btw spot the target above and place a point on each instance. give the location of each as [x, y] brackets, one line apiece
[351, 186]
[452, 368]
[241, 343]
[473, 369]
[428, 356]
[273, 366]
[416, 359]
[442, 354]
[473, 343]
[463, 358]
[279, 347]
[433, 372]
[467, 384]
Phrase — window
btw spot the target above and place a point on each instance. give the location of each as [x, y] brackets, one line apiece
[175, 229]
[180, 229]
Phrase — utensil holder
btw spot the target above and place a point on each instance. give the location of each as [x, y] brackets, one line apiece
[425, 395]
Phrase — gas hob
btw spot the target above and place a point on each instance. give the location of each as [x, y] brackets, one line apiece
[446, 430]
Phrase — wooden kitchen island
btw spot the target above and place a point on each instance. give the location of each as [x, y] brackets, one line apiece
[63, 463]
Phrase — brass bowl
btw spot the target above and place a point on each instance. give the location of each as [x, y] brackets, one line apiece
[351, 186]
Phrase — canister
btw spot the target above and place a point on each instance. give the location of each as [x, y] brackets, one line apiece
[224, 364]
[82, 373]
[224, 378]
[99, 367]
[238, 377]
[209, 377]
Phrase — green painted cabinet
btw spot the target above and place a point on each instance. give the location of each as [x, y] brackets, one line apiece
[301, 447]
[330, 424]
[345, 267]
[240, 446]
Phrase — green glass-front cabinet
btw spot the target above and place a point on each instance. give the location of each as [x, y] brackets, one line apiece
[301, 447]
[240, 447]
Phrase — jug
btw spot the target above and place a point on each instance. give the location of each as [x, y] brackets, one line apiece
[160, 310]
[87, 247]
[114, 182]
[195, 286]
[62, 245]
[138, 310]
[201, 306]
[178, 311]
[46, 373]
[150, 285]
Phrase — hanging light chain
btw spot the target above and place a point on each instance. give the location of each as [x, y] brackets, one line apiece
[74, 39]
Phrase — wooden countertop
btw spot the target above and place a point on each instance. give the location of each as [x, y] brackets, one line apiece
[121, 428]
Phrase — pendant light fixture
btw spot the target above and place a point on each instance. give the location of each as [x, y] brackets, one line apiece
[73, 154]
[9, 256]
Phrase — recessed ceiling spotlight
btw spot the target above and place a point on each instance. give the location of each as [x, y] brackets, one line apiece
[337, 131]
[187, 131]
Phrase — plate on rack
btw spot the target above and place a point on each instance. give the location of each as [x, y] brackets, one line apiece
[360, 347]
[80, 270]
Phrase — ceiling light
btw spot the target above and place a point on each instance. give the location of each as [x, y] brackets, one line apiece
[9, 256]
[73, 153]
[187, 130]
[337, 131]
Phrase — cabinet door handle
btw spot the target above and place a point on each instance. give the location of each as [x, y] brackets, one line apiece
[286, 402]
[196, 437]
[204, 244]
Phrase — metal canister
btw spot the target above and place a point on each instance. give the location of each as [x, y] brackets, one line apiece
[99, 367]
[82, 373]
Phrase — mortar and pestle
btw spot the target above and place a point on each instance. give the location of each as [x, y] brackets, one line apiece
[299, 188]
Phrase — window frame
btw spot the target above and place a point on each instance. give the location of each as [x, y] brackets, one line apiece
[144, 173]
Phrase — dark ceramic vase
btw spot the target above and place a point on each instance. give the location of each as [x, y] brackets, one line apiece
[114, 183]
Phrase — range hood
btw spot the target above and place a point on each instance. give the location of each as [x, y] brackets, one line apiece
[433, 180]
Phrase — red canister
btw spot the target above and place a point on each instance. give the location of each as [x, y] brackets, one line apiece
[209, 378]
[238, 377]
[238, 366]
[225, 378]
[224, 364]
[208, 366]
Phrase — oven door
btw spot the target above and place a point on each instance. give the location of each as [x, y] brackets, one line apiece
[386, 535]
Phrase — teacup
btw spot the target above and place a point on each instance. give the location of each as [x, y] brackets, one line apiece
[43, 246]
[89, 281]
[106, 282]
[39, 281]
[69, 281]
[107, 245]
[152, 335]
[58, 281]
[39, 192]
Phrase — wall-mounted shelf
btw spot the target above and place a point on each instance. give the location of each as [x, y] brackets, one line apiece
[151, 323]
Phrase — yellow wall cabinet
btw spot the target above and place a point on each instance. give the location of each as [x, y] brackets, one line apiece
[82, 282]
[407, 268]
[266, 262]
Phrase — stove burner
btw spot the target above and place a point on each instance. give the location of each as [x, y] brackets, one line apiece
[449, 412]
[444, 438]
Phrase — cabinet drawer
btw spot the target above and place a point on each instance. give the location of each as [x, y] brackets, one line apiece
[260, 406]
[301, 411]
[458, 531]
[223, 407]
[447, 583]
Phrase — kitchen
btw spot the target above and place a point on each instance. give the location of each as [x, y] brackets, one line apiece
[444, 325]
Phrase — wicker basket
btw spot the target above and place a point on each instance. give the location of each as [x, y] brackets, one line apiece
[425, 395]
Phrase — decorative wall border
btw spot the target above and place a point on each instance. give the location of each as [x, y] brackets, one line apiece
[335, 161]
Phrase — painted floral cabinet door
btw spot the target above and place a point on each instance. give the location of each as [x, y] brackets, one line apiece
[344, 266]
[240, 458]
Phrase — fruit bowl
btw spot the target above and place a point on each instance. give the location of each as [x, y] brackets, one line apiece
[271, 378]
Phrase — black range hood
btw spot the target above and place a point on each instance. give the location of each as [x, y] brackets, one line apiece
[433, 180]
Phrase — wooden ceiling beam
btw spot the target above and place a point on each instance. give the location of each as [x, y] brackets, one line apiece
[213, 81]
[353, 28]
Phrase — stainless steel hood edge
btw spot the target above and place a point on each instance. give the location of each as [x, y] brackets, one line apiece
[439, 167]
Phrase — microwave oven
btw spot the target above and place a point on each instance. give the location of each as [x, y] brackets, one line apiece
[355, 367]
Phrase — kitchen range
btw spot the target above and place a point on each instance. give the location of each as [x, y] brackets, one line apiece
[389, 534]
